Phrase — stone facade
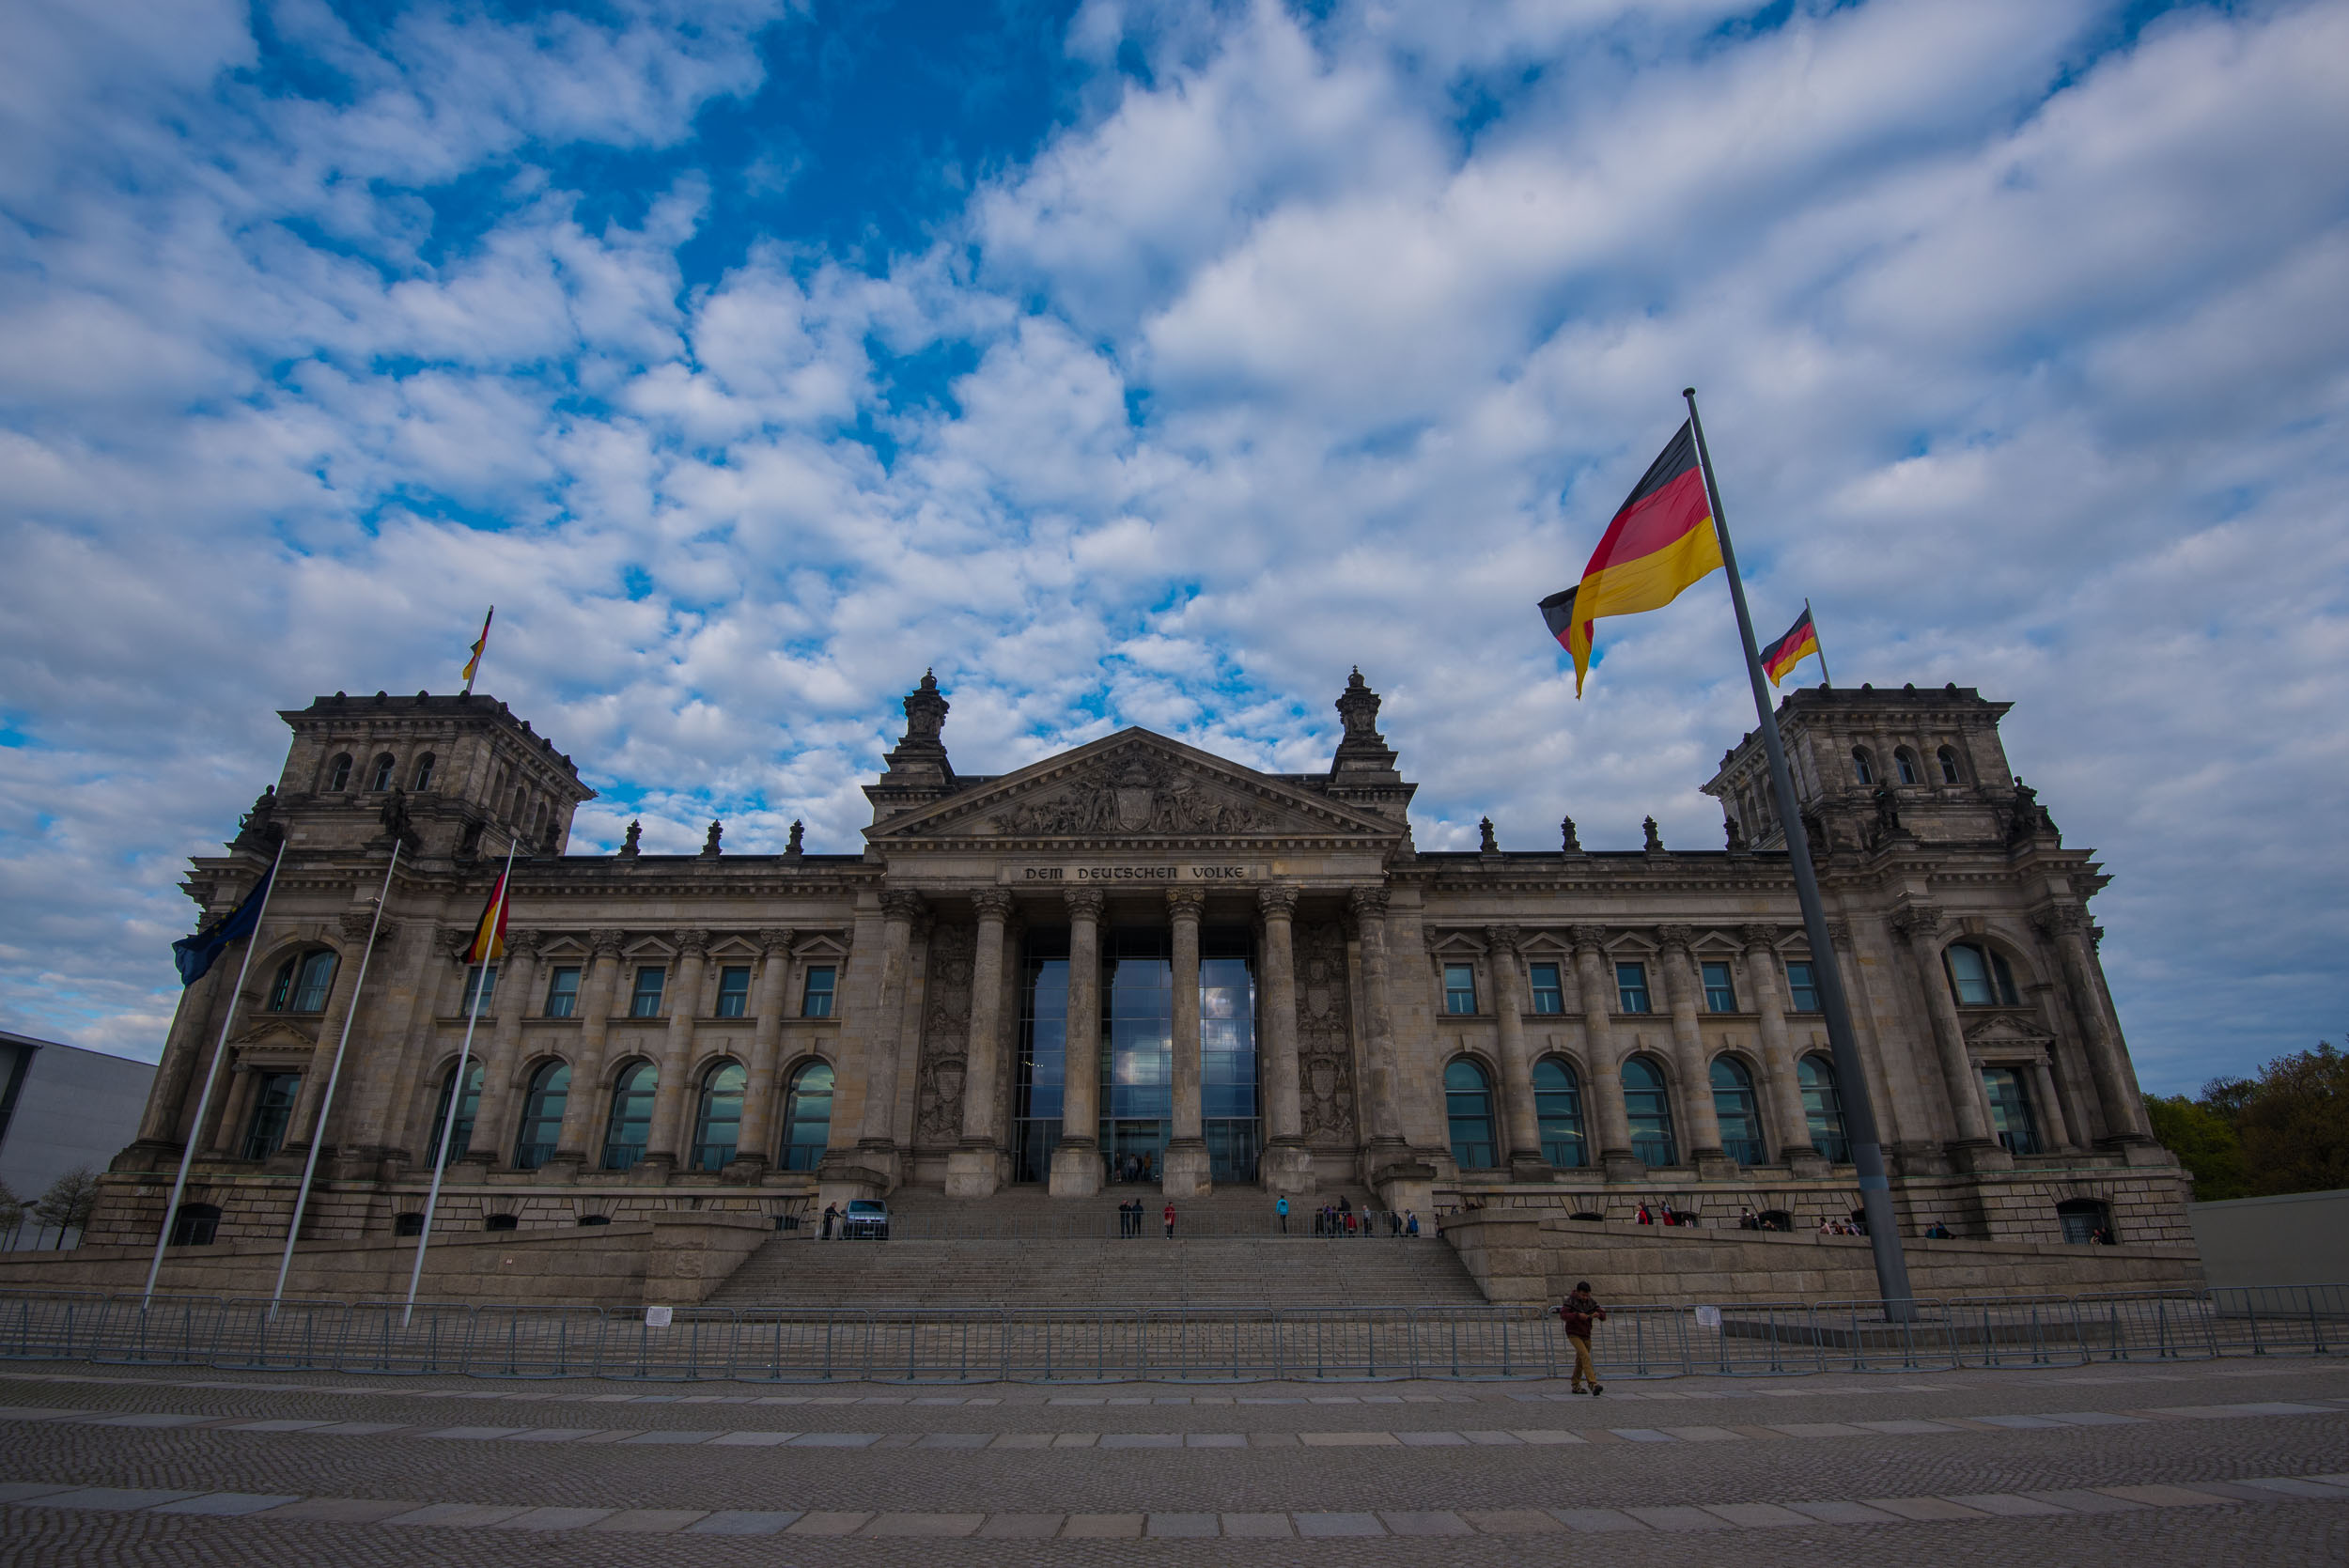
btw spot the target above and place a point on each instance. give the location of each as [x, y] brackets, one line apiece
[1566, 1030]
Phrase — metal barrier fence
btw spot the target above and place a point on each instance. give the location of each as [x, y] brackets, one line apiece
[1163, 1344]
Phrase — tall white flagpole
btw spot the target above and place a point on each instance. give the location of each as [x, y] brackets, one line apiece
[334, 1075]
[457, 1084]
[212, 1076]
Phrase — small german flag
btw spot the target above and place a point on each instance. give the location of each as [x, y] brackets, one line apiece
[1800, 642]
[489, 932]
[1660, 541]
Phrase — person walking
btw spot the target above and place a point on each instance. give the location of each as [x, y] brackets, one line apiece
[1410, 1224]
[1170, 1216]
[1581, 1310]
[1281, 1208]
[831, 1214]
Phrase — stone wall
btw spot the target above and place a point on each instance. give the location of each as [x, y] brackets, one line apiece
[676, 1260]
[1521, 1256]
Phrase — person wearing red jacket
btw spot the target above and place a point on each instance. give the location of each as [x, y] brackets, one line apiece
[1581, 1310]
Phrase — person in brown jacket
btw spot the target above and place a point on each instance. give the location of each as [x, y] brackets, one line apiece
[1581, 1310]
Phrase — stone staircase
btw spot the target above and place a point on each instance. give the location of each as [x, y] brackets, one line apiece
[1020, 1250]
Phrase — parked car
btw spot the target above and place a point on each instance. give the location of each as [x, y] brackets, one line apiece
[866, 1218]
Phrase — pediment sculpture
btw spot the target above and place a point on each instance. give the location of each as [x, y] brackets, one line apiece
[1139, 794]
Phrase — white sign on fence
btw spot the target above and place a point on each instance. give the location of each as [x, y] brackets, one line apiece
[657, 1317]
[1708, 1317]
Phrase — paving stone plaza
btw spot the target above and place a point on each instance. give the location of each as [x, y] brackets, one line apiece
[2245, 1462]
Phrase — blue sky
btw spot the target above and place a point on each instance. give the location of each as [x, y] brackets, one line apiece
[1153, 363]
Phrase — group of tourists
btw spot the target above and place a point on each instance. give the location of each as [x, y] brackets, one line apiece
[1129, 1219]
[1669, 1215]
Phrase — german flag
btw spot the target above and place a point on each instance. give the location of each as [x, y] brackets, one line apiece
[489, 932]
[1800, 642]
[1660, 541]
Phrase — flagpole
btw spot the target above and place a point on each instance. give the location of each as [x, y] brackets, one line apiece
[457, 1087]
[1859, 1122]
[212, 1076]
[1824, 679]
[334, 1075]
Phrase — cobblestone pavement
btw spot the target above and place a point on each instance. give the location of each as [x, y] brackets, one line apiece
[2150, 1465]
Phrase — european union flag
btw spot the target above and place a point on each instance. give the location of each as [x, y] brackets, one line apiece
[194, 955]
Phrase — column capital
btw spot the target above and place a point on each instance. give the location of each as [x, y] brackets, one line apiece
[1186, 904]
[1503, 939]
[1084, 904]
[605, 944]
[992, 903]
[901, 903]
[520, 944]
[1916, 922]
[1276, 902]
[1367, 903]
[1588, 938]
[1759, 939]
[692, 944]
[355, 923]
[2061, 921]
[1676, 938]
[1838, 933]
[776, 938]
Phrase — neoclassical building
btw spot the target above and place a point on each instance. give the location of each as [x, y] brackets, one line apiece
[1135, 962]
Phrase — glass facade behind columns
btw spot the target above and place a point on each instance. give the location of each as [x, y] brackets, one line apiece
[1227, 1046]
[1043, 1065]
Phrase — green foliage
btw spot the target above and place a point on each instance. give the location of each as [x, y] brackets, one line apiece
[2285, 1129]
[2206, 1143]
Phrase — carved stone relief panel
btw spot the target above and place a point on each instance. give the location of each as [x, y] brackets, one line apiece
[1325, 1050]
[1138, 794]
[945, 1035]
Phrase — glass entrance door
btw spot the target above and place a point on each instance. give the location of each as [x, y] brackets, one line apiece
[1136, 1150]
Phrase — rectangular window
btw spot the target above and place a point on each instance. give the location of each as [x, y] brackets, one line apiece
[1548, 996]
[1981, 977]
[645, 1001]
[1459, 989]
[734, 991]
[1720, 996]
[563, 991]
[815, 1000]
[485, 980]
[1631, 988]
[1802, 985]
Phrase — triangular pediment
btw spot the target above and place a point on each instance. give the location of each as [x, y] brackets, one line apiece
[2007, 1030]
[1135, 786]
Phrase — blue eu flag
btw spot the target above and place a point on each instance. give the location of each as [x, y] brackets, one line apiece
[194, 955]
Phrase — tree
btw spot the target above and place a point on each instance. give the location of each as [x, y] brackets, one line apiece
[2295, 1126]
[2205, 1142]
[67, 1202]
[11, 1210]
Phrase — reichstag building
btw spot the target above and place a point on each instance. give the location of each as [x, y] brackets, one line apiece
[1137, 964]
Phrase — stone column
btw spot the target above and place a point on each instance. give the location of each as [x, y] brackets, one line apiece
[1781, 1081]
[2051, 1118]
[877, 1139]
[347, 962]
[1976, 1145]
[1076, 1159]
[1187, 1172]
[975, 1168]
[1521, 1127]
[1368, 907]
[581, 1142]
[665, 1147]
[1287, 1165]
[2117, 1095]
[1682, 988]
[232, 1110]
[492, 1133]
[752, 1155]
[1605, 1078]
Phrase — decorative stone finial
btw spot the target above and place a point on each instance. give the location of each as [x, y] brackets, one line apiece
[925, 711]
[792, 851]
[1358, 706]
[710, 846]
[628, 849]
[1572, 845]
[1485, 842]
[1737, 834]
[1655, 839]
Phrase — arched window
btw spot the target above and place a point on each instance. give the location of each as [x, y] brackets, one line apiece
[1904, 764]
[807, 1117]
[338, 774]
[630, 1127]
[1650, 1111]
[424, 775]
[1823, 1109]
[2010, 1110]
[1468, 1100]
[196, 1225]
[272, 1109]
[1948, 759]
[459, 1137]
[542, 1115]
[720, 1124]
[1736, 1108]
[2085, 1221]
[386, 767]
[303, 982]
[1863, 766]
[502, 1222]
[1558, 1107]
[1980, 976]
